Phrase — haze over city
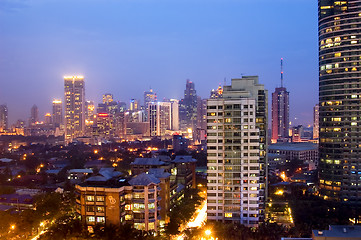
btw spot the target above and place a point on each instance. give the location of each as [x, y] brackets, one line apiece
[125, 47]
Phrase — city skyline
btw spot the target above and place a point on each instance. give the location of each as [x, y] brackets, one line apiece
[153, 52]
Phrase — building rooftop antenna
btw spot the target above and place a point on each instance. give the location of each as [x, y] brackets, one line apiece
[282, 72]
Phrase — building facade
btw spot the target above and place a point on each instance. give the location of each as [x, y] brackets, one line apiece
[74, 89]
[236, 153]
[316, 121]
[280, 115]
[162, 116]
[339, 99]
[57, 113]
[3, 117]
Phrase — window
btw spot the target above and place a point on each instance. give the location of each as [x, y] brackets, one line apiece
[100, 198]
[100, 219]
[90, 219]
[100, 209]
[90, 198]
[228, 215]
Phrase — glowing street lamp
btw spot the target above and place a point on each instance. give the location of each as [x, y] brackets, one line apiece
[208, 232]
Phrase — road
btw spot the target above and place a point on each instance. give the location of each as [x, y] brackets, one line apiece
[198, 219]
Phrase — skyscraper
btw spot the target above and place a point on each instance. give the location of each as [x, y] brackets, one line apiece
[34, 115]
[162, 117]
[57, 112]
[339, 99]
[149, 96]
[188, 107]
[74, 107]
[3, 117]
[316, 122]
[236, 153]
[280, 113]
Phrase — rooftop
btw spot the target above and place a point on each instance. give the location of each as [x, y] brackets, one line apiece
[339, 231]
[148, 161]
[293, 146]
[144, 179]
[184, 159]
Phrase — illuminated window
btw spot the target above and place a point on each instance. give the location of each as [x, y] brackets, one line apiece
[100, 219]
[228, 215]
[338, 54]
[90, 198]
[90, 219]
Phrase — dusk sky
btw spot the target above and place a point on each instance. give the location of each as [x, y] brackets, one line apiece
[126, 46]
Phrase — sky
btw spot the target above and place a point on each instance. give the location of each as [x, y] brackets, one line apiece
[124, 47]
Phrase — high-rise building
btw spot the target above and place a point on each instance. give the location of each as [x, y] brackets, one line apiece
[339, 99]
[188, 107]
[133, 105]
[236, 153]
[74, 89]
[57, 113]
[161, 116]
[3, 117]
[316, 121]
[149, 96]
[34, 115]
[48, 119]
[280, 113]
[107, 98]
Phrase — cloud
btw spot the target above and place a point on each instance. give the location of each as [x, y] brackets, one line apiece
[13, 5]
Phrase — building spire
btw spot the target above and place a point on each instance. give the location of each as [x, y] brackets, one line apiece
[281, 72]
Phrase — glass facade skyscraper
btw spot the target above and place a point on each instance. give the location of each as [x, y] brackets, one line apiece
[339, 99]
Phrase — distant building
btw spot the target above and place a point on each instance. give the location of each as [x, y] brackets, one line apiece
[133, 105]
[48, 119]
[74, 89]
[306, 152]
[149, 97]
[3, 117]
[162, 117]
[316, 121]
[34, 115]
[57, 113]
[188, 107]
[217, 93]
[180, 143]
[107, 98]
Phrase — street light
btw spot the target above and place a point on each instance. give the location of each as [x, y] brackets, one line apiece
[208, 232]
[12, 227]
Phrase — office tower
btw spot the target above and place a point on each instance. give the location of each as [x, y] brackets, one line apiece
[174, 113]
[47, 119]
[316, 117]
[34, 115]
[161, 115]
[3, 117]
[133, 105]
[188, 107]
[149, 96]
[280, 112]
[236, 153]
[57, 113]
[339, 99]
[201, 120]
[89, 110]
[74, 89]
[107, 98]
